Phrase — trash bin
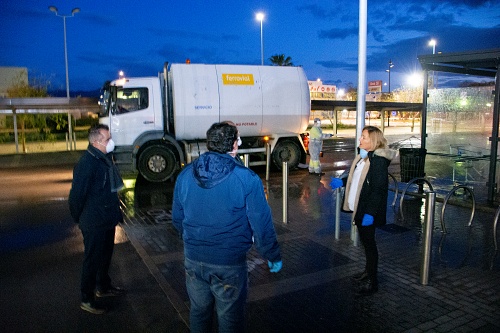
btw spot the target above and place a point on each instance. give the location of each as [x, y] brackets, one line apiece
[412, 161]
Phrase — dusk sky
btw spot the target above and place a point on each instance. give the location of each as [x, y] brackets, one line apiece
[321, 36]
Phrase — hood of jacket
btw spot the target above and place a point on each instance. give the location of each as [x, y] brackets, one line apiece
[386, 153]
[212, 168]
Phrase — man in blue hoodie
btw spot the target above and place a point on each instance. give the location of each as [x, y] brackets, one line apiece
[220, 209]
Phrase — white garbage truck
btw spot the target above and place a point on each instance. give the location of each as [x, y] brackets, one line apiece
[159, 123]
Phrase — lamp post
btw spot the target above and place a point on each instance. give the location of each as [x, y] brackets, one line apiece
[432, 43]
[73, 12]
[389, 71]
[260, 17]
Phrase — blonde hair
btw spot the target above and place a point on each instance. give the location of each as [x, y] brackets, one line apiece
[376, 137]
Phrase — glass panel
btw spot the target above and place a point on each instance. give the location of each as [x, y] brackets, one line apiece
[130, 100]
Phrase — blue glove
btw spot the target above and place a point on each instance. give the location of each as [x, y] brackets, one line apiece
[336, 183]
[275, 267]
[367, 220]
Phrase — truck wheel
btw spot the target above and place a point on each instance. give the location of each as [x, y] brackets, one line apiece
[286, 151]
[157, 163]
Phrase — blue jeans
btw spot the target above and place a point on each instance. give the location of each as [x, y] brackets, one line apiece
[225, 287]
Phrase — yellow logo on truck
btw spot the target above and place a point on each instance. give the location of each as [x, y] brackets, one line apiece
[238, 79]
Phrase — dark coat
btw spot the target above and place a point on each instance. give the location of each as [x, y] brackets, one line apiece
[372, 196]
[91, 202]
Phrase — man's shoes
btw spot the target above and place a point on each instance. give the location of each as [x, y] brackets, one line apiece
[360, 277]
[111, 292]
[369, 287]
[92, 308]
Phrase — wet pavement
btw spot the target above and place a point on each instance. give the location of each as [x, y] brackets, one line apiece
[314, 292]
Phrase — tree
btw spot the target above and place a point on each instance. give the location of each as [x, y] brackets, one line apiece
[351, 92]
[280, 60]
[22, 88]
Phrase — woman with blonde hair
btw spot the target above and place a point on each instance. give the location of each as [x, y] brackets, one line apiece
[366, 197]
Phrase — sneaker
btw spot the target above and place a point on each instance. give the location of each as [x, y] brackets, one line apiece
[111, 292]
[89, 307]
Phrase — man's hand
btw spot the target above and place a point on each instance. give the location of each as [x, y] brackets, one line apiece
[367, 220]
[275, 267]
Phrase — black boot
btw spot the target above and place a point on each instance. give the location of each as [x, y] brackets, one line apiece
[368, 287]
[360, 277]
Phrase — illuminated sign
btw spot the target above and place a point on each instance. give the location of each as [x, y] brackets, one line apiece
[375, 86]
[323, 88]
[238, 79]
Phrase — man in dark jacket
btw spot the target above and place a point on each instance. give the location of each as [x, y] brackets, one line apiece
[94, 205]
[220, 210]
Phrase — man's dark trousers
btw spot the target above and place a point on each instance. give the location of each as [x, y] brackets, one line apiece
[98, 245]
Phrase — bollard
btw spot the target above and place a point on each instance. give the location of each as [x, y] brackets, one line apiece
[246, 160]
[68, 144]
[74, 141]
[285, 192]
[268, 159]
[337, 212]
[430, 203]
[354, 232]
[70, 131]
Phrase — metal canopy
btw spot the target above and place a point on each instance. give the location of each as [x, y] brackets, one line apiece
[47, 105]
[329, 105]
[478, 63]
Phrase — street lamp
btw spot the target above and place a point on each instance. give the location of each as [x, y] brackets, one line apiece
[260, 17]
[71, 138]
[432, 43]
[73, 12]
[389, 71]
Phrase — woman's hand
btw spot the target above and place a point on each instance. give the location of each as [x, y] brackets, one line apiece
[367, 220]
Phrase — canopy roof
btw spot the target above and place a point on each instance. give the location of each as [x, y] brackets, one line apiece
[480, 63]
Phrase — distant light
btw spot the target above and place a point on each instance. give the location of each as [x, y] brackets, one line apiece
[260, 17]
[121, 74]
[415, 80]
[432, 42]
[340, 92]
[318, 79]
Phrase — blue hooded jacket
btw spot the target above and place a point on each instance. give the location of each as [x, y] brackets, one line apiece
[218, 206]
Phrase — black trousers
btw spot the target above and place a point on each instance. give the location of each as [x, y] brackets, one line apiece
[98, 245]
[367, 237]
